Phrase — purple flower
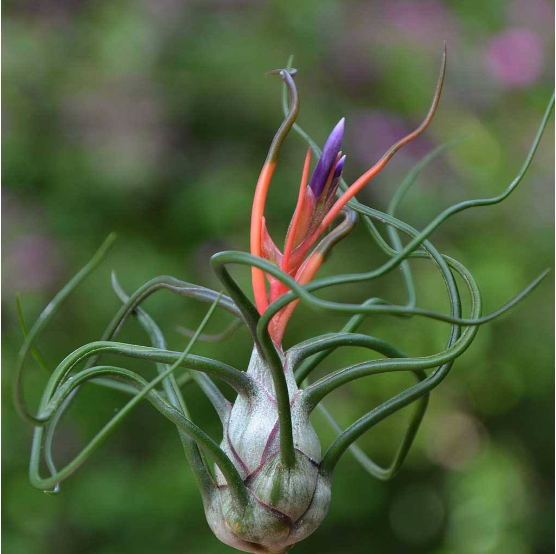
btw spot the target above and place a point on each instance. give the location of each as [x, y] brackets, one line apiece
[515, 57]
[327, 160]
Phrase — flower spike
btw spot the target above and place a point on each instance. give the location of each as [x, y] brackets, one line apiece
[326, 162]
[316, 208]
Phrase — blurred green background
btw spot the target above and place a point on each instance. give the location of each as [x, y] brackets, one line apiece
[152, 119]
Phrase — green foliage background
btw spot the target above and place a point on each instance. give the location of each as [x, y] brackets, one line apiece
[152, 119]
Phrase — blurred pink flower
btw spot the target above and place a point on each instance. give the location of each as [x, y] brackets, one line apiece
[422, 22]
[515, 57]
[376, 130]
[33, 262]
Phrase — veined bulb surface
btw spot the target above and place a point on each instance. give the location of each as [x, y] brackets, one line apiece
[285, 505]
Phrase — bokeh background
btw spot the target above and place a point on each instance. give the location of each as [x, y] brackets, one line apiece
[153, 119]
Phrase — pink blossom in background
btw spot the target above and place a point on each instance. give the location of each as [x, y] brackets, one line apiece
[424, 22]
[32, 262]
[515, 58]
[376, 130]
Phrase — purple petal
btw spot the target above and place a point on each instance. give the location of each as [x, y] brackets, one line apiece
[329, 154]
[339, 167]
[336, 178]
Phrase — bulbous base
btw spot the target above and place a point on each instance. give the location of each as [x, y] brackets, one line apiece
[260, 528]
[285, 504]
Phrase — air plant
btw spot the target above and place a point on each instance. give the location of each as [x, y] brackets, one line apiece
[271, 485]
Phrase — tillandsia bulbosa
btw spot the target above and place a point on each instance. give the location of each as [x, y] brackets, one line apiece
[271, 485]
